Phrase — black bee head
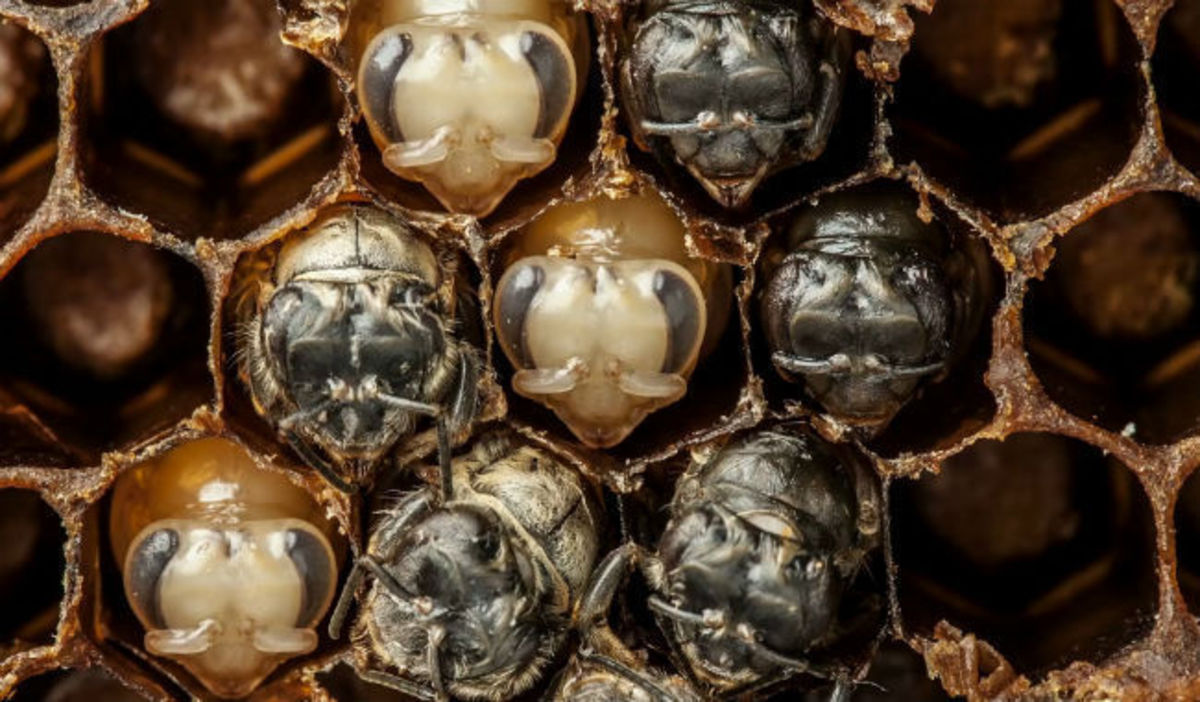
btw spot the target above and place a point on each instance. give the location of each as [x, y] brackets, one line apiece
[355, 358]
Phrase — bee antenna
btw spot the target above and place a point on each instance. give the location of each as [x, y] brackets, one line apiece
[445, 470]
[437, 635]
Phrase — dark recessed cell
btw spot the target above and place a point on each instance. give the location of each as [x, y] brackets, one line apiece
[108, 338]
[31, 567]
[83, 685]
[1176, 68]
[1019, 105]
[1187, 541]
[1038, 544]
[205, 121]
[28, 125]
[1111, 328]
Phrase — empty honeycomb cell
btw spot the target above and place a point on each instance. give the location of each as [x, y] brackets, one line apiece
[1038, 544]
[31, 568]
[1111, 329]
[1187, 541]
[108, 338]
[28, 125]
[202, 119]
[1176, 66]
[79, 685]
[1020, 106]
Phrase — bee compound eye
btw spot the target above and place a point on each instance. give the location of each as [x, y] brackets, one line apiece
[312, 556]
[144, 567]
[514, 298]
[684, 306]
[552, 65]
[377, 80]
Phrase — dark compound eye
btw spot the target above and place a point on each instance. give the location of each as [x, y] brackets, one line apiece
[682, 95]
[762, 92]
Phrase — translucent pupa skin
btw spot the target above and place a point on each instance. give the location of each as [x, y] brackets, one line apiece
[604, 315]
[468, 97]
[227, 566]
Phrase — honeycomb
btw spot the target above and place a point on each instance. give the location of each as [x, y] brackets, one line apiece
[1042, 529]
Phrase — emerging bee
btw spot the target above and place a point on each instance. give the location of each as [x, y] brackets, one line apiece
[468, 97]
[604, 315]
[863, 300]
[475, 585]
[748, 578]
[348, 341]
[228, 566]
[733, 91]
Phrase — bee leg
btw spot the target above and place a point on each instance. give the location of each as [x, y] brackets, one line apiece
[465, 404]
[403, 515]
[338, 618]
[445, 470]
[591, 617]
[646, 682]
[318, 463]
[398, 684]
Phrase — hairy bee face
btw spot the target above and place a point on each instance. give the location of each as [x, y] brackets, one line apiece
[860, 304]
[733, 91]
[480, 586]
[470, 103]
[608, 327]
[228, 567]
[349, 346]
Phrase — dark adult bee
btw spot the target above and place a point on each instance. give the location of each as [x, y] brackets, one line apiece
[475, 584]
[733, 91]
[469, 97]
[863, 300]
[228, 566]
[348, 341]
[749, 576]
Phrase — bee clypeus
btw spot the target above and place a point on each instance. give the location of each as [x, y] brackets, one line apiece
[227, 565]
[347, 341]
[468, 97]
[750, 574]
[475, 583]
[733, 91]
[863, 300]
[604, 315]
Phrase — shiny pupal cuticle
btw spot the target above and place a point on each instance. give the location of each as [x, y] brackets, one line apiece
[604, 315]
[228, 566]
[468, 98]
